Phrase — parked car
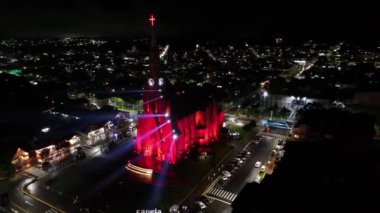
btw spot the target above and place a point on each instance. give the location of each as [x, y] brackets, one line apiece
[223, 177]
[232, 168]
[257, 139]
[226, 173]
[235, 163]
[273, 153]
[279, 147]
[205, 200]
[201, 204]
[258, 164]
[281, 142]
[240, 161]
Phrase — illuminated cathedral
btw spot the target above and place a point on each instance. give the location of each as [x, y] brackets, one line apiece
[172, 123]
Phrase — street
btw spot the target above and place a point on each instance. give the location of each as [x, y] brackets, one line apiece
[223, 196]
[28, 193]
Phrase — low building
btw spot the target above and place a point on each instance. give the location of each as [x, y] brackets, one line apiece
[290, 101]
[50, 136]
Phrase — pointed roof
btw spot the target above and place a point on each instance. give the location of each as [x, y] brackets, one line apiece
[154, 59]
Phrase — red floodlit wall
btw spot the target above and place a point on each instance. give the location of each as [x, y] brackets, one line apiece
[155, 134]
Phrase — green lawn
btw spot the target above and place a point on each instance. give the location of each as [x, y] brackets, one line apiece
[126, 109]
[244, 135]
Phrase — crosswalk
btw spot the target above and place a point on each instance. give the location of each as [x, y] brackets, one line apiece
[275, 135]
[222, 194]
[51, 211]
[279, 131]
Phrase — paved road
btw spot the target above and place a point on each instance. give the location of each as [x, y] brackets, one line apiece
[201, 187]
[21, 202]
[48, 202]
[40, 200]
[224, 196]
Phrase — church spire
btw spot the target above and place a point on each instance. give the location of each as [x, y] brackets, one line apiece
[154, 58]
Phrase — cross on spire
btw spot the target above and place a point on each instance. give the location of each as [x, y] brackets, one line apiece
[152, 20]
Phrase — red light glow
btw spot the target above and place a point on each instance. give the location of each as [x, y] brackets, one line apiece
[152, 20]
[165, 138]
[200, 127]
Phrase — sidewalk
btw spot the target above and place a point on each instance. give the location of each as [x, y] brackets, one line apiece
[37, 172]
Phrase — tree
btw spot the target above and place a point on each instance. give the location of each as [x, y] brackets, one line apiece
[284, 112]
[275, 107]
[249, 126]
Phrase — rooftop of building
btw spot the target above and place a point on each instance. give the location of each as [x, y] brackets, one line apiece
[31, 130]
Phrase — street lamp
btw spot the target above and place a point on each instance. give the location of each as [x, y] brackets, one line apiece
[265, 94]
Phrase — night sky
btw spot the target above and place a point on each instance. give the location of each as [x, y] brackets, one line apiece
[182, 18]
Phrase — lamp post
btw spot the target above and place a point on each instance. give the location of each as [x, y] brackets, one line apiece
[264, 96]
